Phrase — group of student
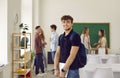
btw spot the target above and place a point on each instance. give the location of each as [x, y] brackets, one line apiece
[39, 45]
[85, 39]
[63, 50]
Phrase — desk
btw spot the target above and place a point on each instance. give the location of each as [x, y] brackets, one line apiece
[103, 58]
[88, 70]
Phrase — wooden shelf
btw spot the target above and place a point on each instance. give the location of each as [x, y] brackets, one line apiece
[18, 47]
[17, 62]
[19, 34]
[21, 61]
[23, 73]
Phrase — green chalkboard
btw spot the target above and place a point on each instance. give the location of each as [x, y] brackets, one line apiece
[93, 31]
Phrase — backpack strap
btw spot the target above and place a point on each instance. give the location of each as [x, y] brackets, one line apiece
[71, 37]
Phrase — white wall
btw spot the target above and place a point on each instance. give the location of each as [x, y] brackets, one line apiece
[82, 11]
[35, 17]
[26, 13]
[3, 32]
[9, 12]
[14, 7]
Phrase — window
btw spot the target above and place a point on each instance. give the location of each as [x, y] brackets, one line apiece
[3, 32]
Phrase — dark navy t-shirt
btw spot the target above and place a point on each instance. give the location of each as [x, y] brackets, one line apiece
[65, 43]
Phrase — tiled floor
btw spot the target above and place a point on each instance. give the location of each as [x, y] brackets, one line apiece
[48, 75]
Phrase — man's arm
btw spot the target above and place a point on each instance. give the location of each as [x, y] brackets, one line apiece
[56, 60]
[71, 57]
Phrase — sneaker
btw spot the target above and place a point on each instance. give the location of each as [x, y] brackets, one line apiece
[41, 74]
[44, 73]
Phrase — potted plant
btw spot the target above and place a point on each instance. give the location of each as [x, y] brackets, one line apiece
[23, 27]
[32, 55]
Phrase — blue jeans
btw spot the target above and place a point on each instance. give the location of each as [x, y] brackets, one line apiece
[39, 63]
[44, 59]
[73, 74]
[53, 55]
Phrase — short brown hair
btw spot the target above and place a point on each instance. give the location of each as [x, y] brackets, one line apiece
[67, 17]
[53, 26]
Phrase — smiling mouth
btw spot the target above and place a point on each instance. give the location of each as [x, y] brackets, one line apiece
[67, 29]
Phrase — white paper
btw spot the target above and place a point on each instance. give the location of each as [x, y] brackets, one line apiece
[61, 65]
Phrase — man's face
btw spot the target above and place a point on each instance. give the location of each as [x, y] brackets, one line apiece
[67, 24]
[52, 29]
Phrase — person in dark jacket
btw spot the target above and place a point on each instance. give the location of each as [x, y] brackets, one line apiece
[38, 46]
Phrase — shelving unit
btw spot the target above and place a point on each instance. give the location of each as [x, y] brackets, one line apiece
[21, 63]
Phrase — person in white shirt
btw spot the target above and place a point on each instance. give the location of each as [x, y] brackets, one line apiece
[53, 40]
[102, 43]
[85, 39]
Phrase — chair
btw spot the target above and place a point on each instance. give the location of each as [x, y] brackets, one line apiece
[114, 59]
[94, 59]
[101, 51]
[103, 73]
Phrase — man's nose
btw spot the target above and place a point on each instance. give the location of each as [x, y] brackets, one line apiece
[65, 23]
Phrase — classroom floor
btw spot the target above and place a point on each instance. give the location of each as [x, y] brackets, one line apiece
[49, 73]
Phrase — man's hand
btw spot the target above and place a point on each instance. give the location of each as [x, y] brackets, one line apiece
[62, 74]
[56, 73]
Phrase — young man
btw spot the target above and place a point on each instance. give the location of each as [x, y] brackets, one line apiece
[39, 52]
[53, 40]
[67, 50]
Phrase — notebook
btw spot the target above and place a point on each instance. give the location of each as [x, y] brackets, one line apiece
[61, 65]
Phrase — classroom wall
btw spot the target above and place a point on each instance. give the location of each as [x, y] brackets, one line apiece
[50, 12]
[13, 8]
